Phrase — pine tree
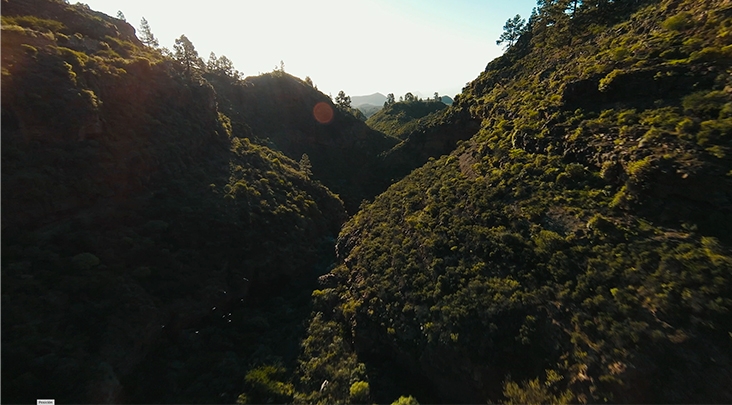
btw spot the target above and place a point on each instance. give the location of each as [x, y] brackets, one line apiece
[512, 30]
[213, 62]
[187, 55]
[343, 101]
[146, 35]
[305, 165]
[121, 15]
[226, 66]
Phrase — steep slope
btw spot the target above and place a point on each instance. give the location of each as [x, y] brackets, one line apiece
[279, 109]
[141, 234]
[369, 109]
[399, 119]
[425, 138]
[576, 249]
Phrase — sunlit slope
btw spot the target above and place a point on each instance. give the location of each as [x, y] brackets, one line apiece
[576, 249]
[399, 119]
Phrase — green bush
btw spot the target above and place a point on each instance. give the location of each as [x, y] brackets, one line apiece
[714, 131]
[705, 104]
[35, 23]
[628, 117]
[606, 82]
[410, 400]
[678, 22]
[535, 392]
[265, 385]
[359, 391]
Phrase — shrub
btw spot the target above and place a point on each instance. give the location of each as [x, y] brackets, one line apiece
[628, 117]
[665, 118]
[711, 54]
[678, 22]
[714, 131]
[35, 23]
[548, 241]
[685, 126]
[607, 81]
[85, 261]
[534, 392]
[265, 387]
[706, 105]
[410, 400]
[601, 225]
[638, 167]
[359, 391]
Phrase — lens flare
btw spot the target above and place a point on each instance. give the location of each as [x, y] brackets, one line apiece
[323, 112]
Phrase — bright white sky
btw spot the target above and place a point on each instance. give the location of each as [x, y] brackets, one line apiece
[359, 46]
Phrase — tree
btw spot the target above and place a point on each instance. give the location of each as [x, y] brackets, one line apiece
[222, 65]
[554, 11]
[389, 99]
[343, 101]
[409, 97]
[309, 81]
[121, 15]
[213, 62]
[512, 31]
[305, 165]
[146, 35]
[226, 66]
[573, 5]
[437, 97]
[186, 54]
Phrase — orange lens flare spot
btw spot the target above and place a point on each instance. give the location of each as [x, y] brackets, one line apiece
[323, 112]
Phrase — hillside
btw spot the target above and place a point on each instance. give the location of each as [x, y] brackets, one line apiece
[425, 137]
[369, 109]
[575, 249]
[175, 233]
[401, 118]
[278, 110]
[148, 240]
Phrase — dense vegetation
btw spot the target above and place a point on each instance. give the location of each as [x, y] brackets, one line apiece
[278, 109]
[576, 249]
[147, 241]
[168, 225]
[401, 118]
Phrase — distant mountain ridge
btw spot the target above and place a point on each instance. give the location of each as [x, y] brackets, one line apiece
[376, 99]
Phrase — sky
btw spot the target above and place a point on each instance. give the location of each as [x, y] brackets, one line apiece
[358, 46]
